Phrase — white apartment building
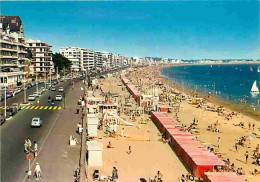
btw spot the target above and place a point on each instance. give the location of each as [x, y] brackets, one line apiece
[98, 60]
[13, 62]
[87, 60]
[107, 62]
[74, 55]
[41, 63]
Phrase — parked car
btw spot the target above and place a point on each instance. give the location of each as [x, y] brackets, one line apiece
[2, 97]
[10, 112]
[31, 98]
[53, 89]
[36, 94]
[9, 94]
[2, 120]
[17, 91]
[43, 89]
[58, 97]
[36, 122]
[16, 106]
[61, 89]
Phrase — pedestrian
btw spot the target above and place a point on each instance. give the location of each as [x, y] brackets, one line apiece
[129, 150]
[38, 102]
[246, 155]
[29, 144]
[155, 179]
[38, 171]
[109, 145]
[249, 125]
[114, 173]
[26, 146]
[35, 149]
[236, 147]
[122, 132]
[253, 126]
[159, 174]
[218, 142]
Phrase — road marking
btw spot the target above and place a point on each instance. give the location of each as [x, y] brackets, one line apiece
[23, 107]
[50, 107]
[37, 107]
[41, 107]
[55, 108]
[32, 107]
[27, 107]
[59, 108]
[46, 107]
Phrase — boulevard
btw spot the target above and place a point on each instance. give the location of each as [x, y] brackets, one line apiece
[13, 133]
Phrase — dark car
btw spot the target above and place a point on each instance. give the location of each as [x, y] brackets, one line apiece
[10, 112]
[9, 94]
[2, 119]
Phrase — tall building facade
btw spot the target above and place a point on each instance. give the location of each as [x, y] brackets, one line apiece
[98, 60]
[41, 63]
[73, 54]
[83, 59]
[87, 60]
[14, 63]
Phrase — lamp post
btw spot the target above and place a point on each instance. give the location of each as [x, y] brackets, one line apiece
[64, 99]
[24, 100]
[5, 101]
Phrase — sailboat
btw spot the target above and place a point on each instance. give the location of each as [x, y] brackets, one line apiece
[258, 69]
[254, 88]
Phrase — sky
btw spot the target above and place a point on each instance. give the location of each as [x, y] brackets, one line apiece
[170, 29]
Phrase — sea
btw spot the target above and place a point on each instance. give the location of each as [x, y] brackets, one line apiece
[230, 82]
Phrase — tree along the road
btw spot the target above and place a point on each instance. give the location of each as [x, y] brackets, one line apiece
[60, 61]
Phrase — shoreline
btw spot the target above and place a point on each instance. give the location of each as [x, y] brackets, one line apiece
[246, 110]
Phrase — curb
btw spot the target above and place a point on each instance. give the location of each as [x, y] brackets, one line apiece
[7, 119]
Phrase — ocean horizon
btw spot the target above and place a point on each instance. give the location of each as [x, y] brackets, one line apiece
[231, 82]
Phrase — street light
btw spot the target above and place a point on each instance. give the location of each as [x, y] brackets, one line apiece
[64, 99]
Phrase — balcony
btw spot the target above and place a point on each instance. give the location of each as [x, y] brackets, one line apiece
[9, 56]
[8, 49]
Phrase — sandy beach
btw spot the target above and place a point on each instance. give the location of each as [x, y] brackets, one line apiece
[149, 154]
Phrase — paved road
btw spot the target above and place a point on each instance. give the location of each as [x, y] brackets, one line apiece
[16, 130]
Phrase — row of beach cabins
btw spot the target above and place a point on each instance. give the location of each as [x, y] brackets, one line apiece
[196, 156]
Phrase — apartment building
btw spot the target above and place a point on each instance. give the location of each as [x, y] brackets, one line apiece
[87, 60]
[98, 60]
[41, 63]
[107, 62]
[73, 54]
[14, 63]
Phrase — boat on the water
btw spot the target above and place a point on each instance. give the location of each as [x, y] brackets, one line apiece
[258, 69]
[254, 88]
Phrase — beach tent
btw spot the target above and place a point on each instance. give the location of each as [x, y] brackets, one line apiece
[94, 150]
[222, 177]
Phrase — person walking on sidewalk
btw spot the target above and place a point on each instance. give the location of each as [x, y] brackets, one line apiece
[26, 146]
[35, 149]
[218, 142]
[114, 173]
[29, 143]
[38, 171]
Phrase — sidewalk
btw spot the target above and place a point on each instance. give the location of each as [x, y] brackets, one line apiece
[57, 159]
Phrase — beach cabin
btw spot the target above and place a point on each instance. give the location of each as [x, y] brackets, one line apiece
[94, 154]
[92, 124]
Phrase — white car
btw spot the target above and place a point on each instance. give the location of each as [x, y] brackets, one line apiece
[36, 122]
[58, 98]
[53, 89]
[36, 94]
[31, 98]
[61, 89]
